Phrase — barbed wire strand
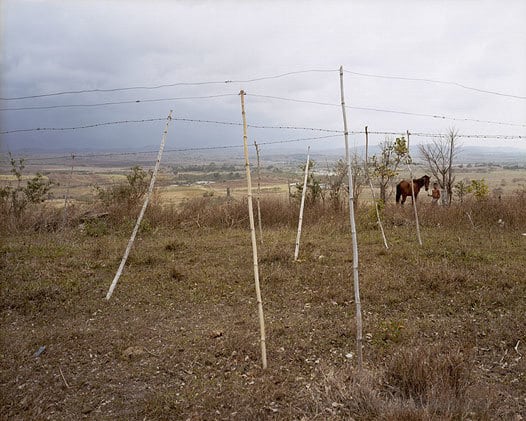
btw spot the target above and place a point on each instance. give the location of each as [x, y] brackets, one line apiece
[182, 119]
[103, 104]
[270, 142]
[192, 120]
[256, 79]
[168, 85]
[88, 126]
[504, 123]
[471, 88]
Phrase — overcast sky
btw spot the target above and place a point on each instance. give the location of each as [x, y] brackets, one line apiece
[54, 46]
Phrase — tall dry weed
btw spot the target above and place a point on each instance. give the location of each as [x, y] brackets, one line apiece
[420, 383]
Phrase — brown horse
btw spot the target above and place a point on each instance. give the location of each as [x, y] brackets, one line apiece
[403, 188]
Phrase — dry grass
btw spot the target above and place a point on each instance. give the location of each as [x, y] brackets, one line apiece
[444, 323]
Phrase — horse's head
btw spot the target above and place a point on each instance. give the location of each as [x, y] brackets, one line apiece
[426, 181]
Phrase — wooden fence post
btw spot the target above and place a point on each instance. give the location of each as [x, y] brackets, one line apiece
[303, 192]
[408, 158]
[253, 237]
[143, 210]
[372, 189]
[66, 195]
[353, 233]
[258, 197]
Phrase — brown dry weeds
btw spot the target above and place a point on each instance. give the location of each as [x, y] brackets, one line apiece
[444, 323]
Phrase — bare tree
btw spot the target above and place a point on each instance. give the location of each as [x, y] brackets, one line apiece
[336, 181]
[440, 155]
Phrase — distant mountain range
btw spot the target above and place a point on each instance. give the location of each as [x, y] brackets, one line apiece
[468, 154]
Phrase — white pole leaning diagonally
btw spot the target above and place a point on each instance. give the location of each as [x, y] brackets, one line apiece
[303, 192]
[253, 237]
[358, 304]
[368, 177]
[143, 210]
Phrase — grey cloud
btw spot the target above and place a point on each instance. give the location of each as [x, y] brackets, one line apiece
[53, 46]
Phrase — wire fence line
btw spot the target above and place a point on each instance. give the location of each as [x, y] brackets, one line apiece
[169, 85]
[381, 110]
[442, 82]
[262, 78]
[271, 97]
[104, 104]
[77, 156]
[231, 123]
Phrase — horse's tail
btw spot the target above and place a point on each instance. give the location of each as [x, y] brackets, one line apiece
[398, 192]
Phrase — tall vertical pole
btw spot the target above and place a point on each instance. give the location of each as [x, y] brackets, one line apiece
[303, 192]
[413, 192]
[452, 135]
[366, 148]
[353, 233]
[66, 195]
[253, 237]
[143, 210]
[258, 198]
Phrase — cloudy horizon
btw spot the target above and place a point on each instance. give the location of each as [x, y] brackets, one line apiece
[54, 46]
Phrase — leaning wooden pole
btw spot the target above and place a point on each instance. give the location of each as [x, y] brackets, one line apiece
[303, 192]
[143, 210]
[359, 335]
[379, 220]
[253, 237]
[413, 192]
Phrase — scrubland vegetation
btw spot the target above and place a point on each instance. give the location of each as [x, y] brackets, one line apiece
[444, 324]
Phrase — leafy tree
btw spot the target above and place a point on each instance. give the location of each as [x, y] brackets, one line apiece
[385, 166]
[479, 189]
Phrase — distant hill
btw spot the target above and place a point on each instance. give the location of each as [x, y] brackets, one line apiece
[296, 153]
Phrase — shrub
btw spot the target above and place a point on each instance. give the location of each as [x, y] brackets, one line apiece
[14, 200]
[128, 195]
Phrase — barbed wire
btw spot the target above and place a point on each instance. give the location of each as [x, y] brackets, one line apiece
[388, 111]
[193, 120]
[188, 149]
[471, 88]
[103, 104]
[88, 126]
[182, 119]
[78, 156]
[168, 85]
[256, 79]
[138, 101]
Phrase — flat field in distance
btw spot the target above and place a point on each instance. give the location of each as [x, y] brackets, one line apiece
[179, 182]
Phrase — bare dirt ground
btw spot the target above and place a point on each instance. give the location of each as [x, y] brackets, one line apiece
[179, 339]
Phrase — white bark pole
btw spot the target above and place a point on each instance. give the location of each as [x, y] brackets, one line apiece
[253, 237]
[143, 210]
[258, 198]
[353, 233]
[66, 195]
[413, 193]
[303, 192]
[372, 189]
